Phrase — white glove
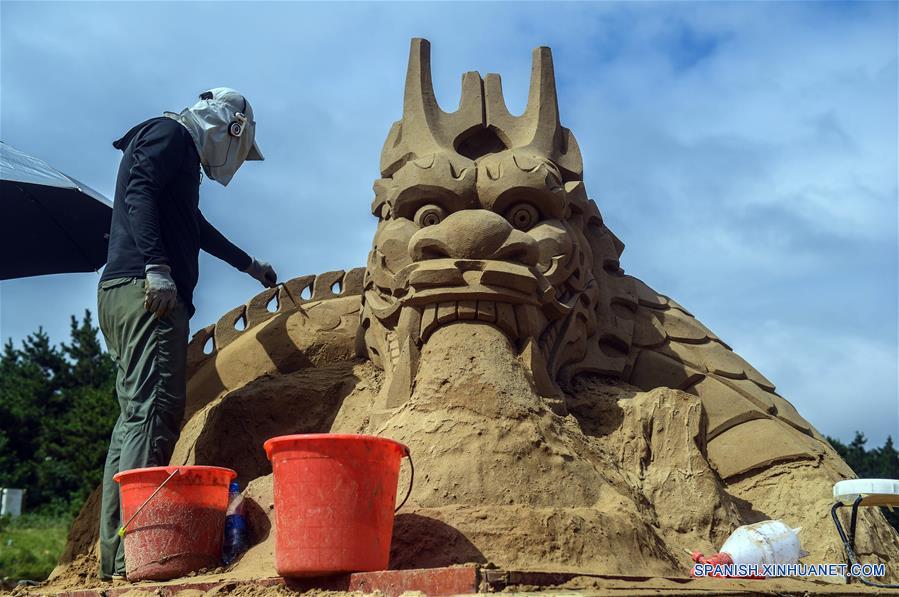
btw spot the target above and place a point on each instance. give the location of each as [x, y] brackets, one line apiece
[263, 272]
[162, 295]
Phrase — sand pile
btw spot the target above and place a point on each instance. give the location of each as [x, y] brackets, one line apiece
[528, 489]
[618, 485]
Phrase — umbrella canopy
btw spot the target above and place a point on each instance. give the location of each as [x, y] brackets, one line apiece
[50, 222]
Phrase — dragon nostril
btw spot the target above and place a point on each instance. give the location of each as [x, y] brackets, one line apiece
[518, 249]
[434, 252]
[422, 249]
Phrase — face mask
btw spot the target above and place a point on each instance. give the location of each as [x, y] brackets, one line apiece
[224, 133]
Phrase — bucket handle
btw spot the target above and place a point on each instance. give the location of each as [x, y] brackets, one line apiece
[411, 481]
[121, 531]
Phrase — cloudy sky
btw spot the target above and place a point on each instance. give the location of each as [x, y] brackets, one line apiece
[745, 153]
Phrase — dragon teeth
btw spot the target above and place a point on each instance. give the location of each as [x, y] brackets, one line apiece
[487, 311]
[435, 315]
[467, 309]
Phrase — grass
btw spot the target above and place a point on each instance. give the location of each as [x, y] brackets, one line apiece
[30, 546]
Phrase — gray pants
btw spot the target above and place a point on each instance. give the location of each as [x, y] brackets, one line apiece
[151, 359]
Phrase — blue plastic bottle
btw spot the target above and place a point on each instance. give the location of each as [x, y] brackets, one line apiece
[235, 542]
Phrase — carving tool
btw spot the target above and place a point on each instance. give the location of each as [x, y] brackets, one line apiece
[288, 292]
[121, 531]
[290, 296]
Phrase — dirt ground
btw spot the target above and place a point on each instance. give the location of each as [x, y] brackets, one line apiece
[583, 586]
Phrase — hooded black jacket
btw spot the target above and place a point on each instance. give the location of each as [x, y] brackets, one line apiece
[156, 217]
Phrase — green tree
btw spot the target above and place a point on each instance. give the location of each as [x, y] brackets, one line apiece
[886, 460]
[28, 380]
[60, 405]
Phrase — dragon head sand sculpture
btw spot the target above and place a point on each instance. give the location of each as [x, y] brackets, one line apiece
[483, 216]
[564, 415]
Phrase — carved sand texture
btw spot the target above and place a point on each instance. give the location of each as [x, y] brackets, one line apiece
[286, 298]
[672, 347]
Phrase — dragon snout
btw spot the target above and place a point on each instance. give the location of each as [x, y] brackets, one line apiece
[474, 234]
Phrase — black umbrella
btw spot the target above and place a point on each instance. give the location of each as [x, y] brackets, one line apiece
[50, 222]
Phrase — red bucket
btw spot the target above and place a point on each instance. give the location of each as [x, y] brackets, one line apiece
[334, 502]
[180, 529]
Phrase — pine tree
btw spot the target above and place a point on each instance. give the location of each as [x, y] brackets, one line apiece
[886, 460]
[89, 365]
[858, 456]
[29, 380]
[60, 407]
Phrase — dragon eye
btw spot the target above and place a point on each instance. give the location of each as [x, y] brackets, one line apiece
[429, 215]
[522, 216]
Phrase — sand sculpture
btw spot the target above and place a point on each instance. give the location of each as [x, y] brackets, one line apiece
[562, 414]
